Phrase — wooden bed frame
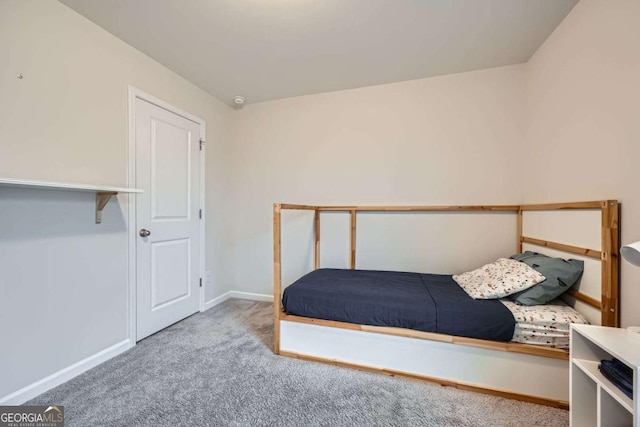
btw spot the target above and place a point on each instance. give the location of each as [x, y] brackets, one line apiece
[534, 374]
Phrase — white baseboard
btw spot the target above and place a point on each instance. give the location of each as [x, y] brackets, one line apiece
[218, 300]
[64, 375]
[251, 296]
[237, 294]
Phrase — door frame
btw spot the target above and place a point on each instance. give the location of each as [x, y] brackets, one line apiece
[133, 94]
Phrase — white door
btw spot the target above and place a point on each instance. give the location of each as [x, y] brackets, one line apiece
[168, 223]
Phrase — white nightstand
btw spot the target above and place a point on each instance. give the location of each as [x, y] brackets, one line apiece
[594, 400]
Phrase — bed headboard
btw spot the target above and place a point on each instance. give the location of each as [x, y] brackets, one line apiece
[584, 230]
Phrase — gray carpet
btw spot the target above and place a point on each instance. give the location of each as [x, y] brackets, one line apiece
[216, 369]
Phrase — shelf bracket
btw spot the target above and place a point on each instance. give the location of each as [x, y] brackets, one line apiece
[102, 198]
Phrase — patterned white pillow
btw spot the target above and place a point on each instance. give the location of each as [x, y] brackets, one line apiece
[498, 279]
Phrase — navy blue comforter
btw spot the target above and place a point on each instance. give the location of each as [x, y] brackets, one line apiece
[424, 302]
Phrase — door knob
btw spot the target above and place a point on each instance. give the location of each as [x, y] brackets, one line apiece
[145, 233]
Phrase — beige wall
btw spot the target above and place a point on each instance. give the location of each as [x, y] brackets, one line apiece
[63, 280]
[583, 119]
[565, 126]
[443, 140]
[66, 120]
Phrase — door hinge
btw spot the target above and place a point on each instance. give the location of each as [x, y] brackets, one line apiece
[202, 142]
[201, 282]
[200, 213]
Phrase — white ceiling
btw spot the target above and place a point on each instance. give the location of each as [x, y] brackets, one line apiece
[271, 49]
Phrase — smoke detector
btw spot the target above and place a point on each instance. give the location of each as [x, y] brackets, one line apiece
[238, 101]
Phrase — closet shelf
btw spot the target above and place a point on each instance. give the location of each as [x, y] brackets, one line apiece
[103, 194]
[67, 186]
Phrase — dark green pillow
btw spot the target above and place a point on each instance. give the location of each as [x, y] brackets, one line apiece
[560, 275]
